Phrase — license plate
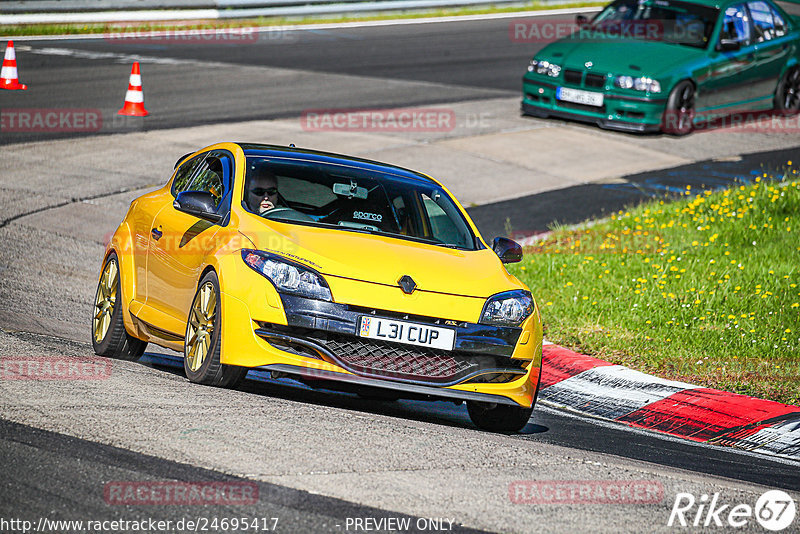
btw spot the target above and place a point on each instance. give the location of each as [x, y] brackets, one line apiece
[577, 96]
[408, 333]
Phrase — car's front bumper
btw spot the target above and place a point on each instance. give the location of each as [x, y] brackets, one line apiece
[329, 331]
[619, 112]
[317, 341]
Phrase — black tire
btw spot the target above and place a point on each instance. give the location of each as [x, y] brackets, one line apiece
[109, 337]
[204, 337]
[679, 115]
[498, 417]
[787, 94]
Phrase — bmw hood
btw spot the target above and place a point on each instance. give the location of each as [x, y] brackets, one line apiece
[619, 56]
[384, 260]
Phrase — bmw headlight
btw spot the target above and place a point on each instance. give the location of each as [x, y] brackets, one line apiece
[507, 309]
[544, 67]
[288, 276]
[640, 84]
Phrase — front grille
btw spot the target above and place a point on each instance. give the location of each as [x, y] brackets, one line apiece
[595, 80]
[573, 76]
[591, 79]
[409, 363]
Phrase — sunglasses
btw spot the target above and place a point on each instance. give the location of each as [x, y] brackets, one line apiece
[261, 191]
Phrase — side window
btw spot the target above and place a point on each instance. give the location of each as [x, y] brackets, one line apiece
[780, 24]
[185, 173]
[213, 176]
[736, 25]
[763, 25]
[442, 226]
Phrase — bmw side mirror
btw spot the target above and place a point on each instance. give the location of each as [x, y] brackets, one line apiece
[198, 203]
[507, 250]
[729, 45]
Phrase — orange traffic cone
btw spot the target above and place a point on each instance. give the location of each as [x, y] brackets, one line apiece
[8, 76]
[134, 98]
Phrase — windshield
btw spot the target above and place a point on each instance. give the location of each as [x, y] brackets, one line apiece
[353, 199]
[657, 20]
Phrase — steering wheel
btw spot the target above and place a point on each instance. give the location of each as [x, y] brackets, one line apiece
[287, 214]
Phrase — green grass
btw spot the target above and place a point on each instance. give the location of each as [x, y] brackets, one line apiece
[704, 289]
[72, 29]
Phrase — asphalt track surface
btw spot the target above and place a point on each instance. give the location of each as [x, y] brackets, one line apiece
[192, 84]
[53, 473]
[73, 491]
[572, 205]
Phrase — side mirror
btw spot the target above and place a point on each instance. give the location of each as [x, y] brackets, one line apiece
[581, 20]
[507, 250]
[198, 203]
[729, 45]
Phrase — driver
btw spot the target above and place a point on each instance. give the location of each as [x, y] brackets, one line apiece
[262, 195]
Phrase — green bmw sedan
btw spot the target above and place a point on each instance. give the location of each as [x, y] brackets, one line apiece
[669, 65]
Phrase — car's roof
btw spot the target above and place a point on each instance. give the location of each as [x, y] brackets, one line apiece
[302, 154]
[713, 3]
[719, 4]
[710, 3]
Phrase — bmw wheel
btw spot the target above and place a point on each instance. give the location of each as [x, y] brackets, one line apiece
[109, 337]
[787, 95]
[679, 116]
[201, 347]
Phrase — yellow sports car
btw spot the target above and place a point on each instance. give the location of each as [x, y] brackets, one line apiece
[339, 272]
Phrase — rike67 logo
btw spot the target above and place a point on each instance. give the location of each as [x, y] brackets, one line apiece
[775, 510]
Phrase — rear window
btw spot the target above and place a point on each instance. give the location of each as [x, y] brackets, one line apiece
[354, 199]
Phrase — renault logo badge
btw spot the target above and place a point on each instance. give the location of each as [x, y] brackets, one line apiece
[407, 284]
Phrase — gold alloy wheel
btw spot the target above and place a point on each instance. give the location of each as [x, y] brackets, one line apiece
[104, 301]
[201, 326]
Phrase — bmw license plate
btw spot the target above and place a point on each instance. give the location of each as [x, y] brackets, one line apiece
[409, 333]
[577, 96]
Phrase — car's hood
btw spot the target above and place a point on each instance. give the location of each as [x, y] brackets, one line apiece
[384, 260]
[619, 55]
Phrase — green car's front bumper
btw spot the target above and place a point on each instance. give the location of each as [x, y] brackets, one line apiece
[619, 111]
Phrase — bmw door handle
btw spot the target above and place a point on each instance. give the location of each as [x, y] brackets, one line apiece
[156, 233]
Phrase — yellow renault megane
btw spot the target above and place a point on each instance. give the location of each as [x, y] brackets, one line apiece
[338, 272]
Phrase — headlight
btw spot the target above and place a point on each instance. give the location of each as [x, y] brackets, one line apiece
[544, 67]
[507, 309]
[640, 84]
[287, 276]
[626, 82]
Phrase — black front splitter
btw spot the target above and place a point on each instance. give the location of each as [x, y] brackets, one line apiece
[308, 376]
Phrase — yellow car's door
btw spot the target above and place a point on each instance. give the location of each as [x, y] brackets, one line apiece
[180, 244]
[145, 211]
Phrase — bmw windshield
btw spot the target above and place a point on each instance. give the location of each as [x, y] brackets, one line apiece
[354, 199]
[669, 21]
